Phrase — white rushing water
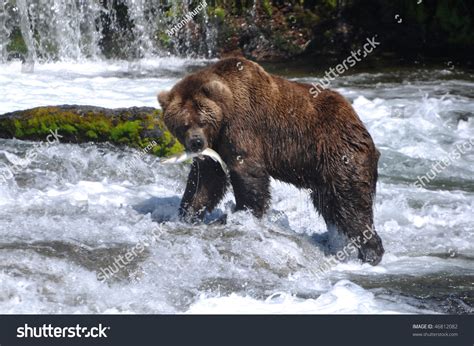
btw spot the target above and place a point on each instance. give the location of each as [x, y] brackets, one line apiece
[70, 213]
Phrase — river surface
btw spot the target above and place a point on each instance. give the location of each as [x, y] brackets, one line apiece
[69, 216]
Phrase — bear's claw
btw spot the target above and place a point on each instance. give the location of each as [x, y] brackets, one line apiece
[372, 252]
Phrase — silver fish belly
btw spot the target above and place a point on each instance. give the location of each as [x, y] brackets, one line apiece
[187, 156]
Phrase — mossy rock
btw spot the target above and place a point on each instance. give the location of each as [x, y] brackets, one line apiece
[135, 127]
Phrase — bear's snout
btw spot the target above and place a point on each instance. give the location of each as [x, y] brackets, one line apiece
[196, 141]
[196, 144]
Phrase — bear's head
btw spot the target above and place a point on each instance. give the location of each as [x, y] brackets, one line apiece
[194, 110]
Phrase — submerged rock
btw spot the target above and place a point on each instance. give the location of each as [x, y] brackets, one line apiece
[139, 127]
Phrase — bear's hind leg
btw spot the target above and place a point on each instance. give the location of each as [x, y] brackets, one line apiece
[351, 212]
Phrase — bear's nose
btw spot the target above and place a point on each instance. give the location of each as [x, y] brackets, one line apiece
[196, 144]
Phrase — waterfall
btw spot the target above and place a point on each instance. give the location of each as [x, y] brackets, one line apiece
[27, 34]
[75, 30]
[4, 32]
[210, 35]
[145, 24]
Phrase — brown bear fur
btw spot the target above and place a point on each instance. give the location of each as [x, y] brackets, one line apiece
[265, 126]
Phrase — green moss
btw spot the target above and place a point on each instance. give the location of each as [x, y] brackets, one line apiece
[267, 7]
[17, 129]
[70, 129]
[17, 44]
[330, 3]
[36, 124]
[92, 135]
[219, 12]
[163, 38]
[127, 132]
[167, 145]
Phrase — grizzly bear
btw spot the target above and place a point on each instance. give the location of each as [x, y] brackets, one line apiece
[265, 126]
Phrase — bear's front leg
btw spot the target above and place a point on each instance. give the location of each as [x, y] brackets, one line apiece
[251, 184]
[205, 188]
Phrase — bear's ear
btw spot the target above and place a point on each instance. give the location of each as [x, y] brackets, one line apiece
[164, 99]
[217, 90]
